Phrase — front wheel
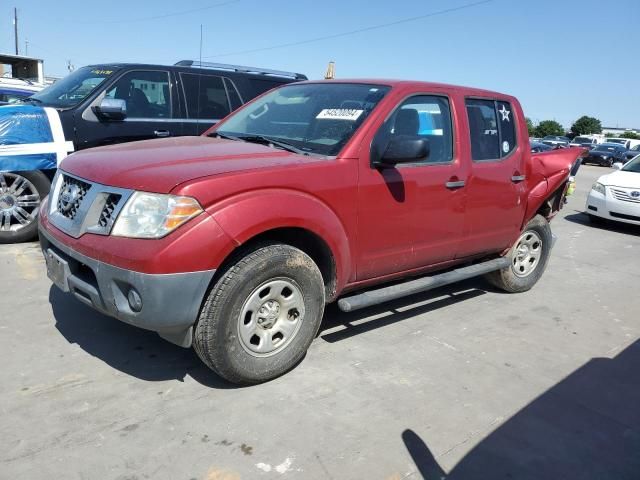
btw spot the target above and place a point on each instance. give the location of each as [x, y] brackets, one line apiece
[529, 256]
[261, 315]
[20, 196]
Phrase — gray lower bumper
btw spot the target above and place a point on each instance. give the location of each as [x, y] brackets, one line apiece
[165, 303]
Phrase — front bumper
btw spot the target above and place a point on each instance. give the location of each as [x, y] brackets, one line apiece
[607, 206]
[598, 160]
[168, 304]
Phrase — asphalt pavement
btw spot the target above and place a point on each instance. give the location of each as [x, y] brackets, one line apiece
[463, 382]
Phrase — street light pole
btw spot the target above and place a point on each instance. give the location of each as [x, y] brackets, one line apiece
[15, 27]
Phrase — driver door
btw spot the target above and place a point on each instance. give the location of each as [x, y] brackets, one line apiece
[411, 215]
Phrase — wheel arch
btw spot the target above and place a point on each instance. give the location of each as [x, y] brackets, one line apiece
[293, 218]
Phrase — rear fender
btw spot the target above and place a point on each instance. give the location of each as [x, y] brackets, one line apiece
[548, 181]
[250, 214]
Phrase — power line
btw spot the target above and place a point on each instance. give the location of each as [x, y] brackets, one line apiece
[166, 15]
[353, 32]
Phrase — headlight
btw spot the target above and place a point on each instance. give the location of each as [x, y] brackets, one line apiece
[598, 187]
[151, 215]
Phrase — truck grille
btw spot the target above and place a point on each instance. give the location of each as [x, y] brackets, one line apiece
[79, 206]
[106, 215]
[623, 195]
[72, 192]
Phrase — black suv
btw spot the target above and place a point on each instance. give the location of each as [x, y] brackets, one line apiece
[122, 102]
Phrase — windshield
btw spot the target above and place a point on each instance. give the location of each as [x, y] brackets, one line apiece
[73, 88]
[582, 140]
[616, 140]
[317, 118]
[632, 165]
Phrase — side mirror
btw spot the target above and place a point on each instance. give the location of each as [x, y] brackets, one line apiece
[618, 165]
[112, 109]
[405, 149]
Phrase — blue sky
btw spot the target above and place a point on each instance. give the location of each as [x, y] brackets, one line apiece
[562, 59]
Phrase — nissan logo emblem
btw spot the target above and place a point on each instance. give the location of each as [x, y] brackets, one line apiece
[68, 197]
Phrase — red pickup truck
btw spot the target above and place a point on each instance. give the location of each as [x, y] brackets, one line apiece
[361, 191]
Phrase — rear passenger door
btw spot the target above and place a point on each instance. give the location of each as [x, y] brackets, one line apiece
[411, 215]
[208, 99]
[495, 188]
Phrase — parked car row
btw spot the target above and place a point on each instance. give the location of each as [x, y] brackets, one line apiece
[604, 153]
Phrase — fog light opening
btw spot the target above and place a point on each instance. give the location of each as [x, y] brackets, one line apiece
[135, 301]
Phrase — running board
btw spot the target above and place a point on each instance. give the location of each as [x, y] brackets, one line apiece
[410, 287]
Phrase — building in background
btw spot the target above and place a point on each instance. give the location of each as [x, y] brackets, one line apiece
[26, 68]
[617, 131]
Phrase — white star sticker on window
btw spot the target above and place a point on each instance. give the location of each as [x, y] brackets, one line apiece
[505, 113]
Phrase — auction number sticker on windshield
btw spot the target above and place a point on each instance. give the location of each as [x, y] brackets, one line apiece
[102, 72]
[350, 114]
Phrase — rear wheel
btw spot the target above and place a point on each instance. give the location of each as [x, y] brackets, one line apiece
[261, 315]
[20, 196]
[529, 256]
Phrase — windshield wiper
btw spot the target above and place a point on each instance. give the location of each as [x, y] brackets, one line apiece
[31, 99]
[270, 141]
[223, 135]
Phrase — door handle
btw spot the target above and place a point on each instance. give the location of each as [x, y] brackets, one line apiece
[162, 133]
[456, 184]
[518, 178]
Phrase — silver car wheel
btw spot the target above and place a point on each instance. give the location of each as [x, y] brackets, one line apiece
[527, 253]
[19, 202]
[271, 317]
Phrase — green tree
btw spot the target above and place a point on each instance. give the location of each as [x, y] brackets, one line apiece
[549, 127]
[631, 135]
[530, 127]
[586, 125]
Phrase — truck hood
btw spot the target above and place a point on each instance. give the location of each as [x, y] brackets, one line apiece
[621, 179]
[159, 165]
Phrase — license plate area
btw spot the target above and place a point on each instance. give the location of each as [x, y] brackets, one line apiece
[57, 270]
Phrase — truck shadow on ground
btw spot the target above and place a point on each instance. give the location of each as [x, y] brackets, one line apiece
[585, 427]
[144, 355]
[385, 314]
[134, 351]
[582, 218]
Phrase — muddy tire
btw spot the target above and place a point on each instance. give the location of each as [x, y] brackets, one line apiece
[261, 315]
[21, 194]
[529, 257]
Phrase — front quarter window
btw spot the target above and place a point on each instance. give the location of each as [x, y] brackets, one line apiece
[317, 118]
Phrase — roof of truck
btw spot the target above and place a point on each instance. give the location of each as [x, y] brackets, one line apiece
[416, 84]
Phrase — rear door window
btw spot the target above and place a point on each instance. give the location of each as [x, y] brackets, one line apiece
[206, 96]
[507, 128]
[491, 129]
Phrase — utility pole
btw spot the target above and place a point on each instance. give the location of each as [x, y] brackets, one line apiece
[26, 47]
[15, 27]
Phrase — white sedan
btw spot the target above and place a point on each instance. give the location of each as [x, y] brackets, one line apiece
[616, 196]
